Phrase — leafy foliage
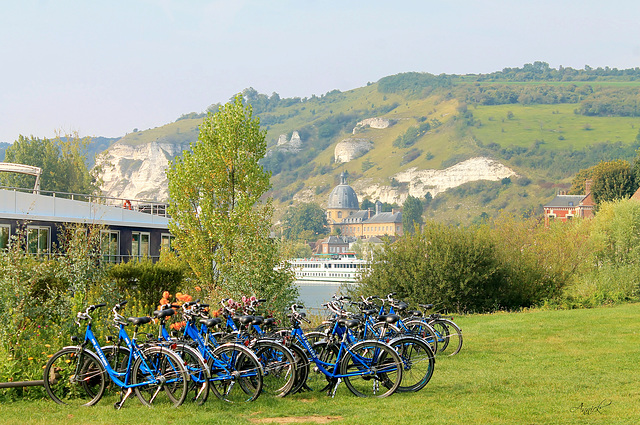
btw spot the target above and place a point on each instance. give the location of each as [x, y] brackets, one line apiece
[504, 263]
[411, 214]
[143, 281]
[450, 267]
[613, 180]
[304, 221]
[412, 82]
[411, 136]
[41, 296]
[613, 267]
[220, 225]
[62, 162]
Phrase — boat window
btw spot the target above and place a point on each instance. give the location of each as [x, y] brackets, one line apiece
[140, 244]
[110, 245]
[38, 240]
[5, 233]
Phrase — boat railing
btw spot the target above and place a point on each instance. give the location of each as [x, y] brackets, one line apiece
[141, 205]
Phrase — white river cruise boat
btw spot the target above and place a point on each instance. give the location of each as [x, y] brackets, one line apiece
[339, 268]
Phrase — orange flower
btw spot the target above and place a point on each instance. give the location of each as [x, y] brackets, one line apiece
[177, 326]
[164, 301]
[166, 295]
[197, 288]
[185, 298]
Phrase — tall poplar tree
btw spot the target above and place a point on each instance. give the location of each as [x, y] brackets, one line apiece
[411, 214]
[221, 225]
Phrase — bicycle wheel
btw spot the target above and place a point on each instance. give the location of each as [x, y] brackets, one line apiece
[164, 375]
[327, 354]
[418, 362]
[372, 369]
[236, 373]
[74, 376]
[118, 358]
[198, 388]
[424, 330]
[314, 337]
[302, 367]
[279, 367]
[449, 336]
[383, 331]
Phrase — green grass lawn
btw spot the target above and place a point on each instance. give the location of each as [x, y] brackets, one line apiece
[538, 367]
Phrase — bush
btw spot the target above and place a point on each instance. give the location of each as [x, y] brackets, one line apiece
[614, 264]
[451, 267]
[507, 263]
[143, 282]
[41, 296]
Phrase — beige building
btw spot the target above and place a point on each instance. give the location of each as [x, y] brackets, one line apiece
[345, 215]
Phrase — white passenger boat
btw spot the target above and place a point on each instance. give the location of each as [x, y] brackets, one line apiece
[323, 268]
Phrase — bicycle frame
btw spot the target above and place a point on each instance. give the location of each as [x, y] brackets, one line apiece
[342, 351]
[121, 379]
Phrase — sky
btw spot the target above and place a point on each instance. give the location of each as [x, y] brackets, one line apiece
[103, 68]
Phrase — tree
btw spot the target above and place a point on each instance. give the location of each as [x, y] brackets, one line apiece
[613, 180]
[366, 204]
[411, 214]
[304, 221]
[62, 161]
[454, 268]
[220, 224]
[427, 199]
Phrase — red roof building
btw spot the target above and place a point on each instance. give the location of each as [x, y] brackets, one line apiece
[566, 207]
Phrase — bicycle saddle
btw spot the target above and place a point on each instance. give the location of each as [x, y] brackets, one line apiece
[139, 320]
[211, 322]
[389, 318]
[164, 313]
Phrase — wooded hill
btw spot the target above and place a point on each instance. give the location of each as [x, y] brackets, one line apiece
[544, 123]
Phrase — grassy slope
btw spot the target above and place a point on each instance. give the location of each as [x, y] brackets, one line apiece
[535, 367]
[557, 125]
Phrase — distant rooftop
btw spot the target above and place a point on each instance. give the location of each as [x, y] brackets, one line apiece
[565, 201]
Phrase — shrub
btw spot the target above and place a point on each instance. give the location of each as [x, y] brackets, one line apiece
[143, 282]
[507, 263]
[451, 267]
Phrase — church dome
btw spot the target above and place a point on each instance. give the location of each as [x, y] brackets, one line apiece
[343, 196]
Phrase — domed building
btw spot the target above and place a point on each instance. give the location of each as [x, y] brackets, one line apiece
[343, 201]
[344, 214]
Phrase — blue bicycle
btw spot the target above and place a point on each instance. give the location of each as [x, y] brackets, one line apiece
[76, 375]
[236, 373]
[368, 368]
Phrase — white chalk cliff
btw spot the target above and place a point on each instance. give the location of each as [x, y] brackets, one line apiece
[434, 181]
[138, 172]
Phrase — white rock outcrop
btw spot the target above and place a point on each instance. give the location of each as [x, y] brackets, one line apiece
[435, 181]
[138, 172]
[292, 145]
[350, 149]
[378, 123]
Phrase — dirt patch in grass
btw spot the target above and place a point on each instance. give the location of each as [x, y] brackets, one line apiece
[295, 419]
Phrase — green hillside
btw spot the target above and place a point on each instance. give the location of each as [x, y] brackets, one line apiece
[545, 124]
